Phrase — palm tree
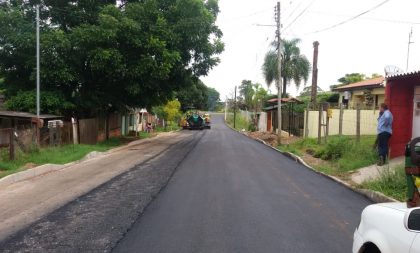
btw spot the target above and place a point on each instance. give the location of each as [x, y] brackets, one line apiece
[294, 66]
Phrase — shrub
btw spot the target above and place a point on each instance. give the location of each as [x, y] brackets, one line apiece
[334, 149]
[252, 128]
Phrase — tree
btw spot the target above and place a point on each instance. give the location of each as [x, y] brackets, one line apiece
[260, 97]
[246, 91]
[172, 110]
[348, 79]
[295, 66]
[307, 91]
[193, 97]
[213, 99]
[103, 58]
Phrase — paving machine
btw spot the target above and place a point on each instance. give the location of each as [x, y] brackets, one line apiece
[195, 121]
[412, 171]
[207, 120]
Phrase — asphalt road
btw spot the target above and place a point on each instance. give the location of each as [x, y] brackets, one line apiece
[214, 191]
[233, 194]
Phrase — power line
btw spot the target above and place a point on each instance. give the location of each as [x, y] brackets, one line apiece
[352, 18]
[300, 15]
[293, 12]
[370, 18]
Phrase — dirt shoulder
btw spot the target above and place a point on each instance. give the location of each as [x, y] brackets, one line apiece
[24, 202]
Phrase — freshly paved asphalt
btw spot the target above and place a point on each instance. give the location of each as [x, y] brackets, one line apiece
[224, 193]
[233, 194]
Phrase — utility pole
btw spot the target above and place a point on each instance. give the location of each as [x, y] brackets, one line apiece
[37, 65]
[234, 111]
[410, 35]
[226, 107]
[314, 75]
[279, 80]
[37, 127]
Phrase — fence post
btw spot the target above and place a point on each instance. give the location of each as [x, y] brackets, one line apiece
[340, 121]
[11, 146]
[327, 128]
[358, 124]
[306, 121]
[319, 124]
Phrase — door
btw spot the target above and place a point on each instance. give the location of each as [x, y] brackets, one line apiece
[416, 112]
[415, 247]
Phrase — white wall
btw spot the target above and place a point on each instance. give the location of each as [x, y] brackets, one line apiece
[368, 122]
[262, 123]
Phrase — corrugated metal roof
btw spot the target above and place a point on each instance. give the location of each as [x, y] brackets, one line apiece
[26, 115]
[402, 75]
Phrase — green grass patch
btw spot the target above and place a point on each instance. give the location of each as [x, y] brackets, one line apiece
[56, 155]
[241, 122]
[340, 153]
[391, 183]
[171, 126]
[144, 135]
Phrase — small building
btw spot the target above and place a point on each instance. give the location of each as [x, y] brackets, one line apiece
[403, 99]
[369, 94]
[291, 121]
[24, 125]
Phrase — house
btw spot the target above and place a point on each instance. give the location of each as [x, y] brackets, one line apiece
[403, 99]
[368, 94]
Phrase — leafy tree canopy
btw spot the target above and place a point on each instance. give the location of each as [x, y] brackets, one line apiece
[102, 57]
[213, 99]
[353, 78]
[294, 65]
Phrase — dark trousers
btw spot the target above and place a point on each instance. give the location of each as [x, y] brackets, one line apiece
[383, 139]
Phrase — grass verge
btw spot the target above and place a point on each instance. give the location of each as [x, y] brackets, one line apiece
[241, 122]
[391, 183]
[340, 154]
[55, 155]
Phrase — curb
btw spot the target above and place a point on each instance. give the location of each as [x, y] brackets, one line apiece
[48, 168]
[374, 196]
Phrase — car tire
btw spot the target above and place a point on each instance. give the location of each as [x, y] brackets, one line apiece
[370, 248]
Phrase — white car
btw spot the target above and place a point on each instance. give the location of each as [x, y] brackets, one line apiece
[388, 228]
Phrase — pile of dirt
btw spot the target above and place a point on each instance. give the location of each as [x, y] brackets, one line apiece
[271, 138]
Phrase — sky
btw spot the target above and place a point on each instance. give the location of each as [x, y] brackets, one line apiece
[364, 45]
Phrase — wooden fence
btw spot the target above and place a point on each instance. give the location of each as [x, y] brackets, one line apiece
[7, 143]
[88, 131]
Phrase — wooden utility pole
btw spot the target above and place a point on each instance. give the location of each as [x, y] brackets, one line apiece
[358, 124]
[320, 123]
[314, 89]
[340, 120]
[279, 80]
[234, 111]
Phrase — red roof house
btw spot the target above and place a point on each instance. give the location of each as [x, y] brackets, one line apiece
[403, 98]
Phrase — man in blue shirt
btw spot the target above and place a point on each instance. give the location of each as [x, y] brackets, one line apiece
[384, 133]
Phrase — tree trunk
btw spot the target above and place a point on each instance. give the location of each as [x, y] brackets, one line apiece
[284, 88]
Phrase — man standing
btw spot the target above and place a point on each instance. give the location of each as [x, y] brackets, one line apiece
[384, 133]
